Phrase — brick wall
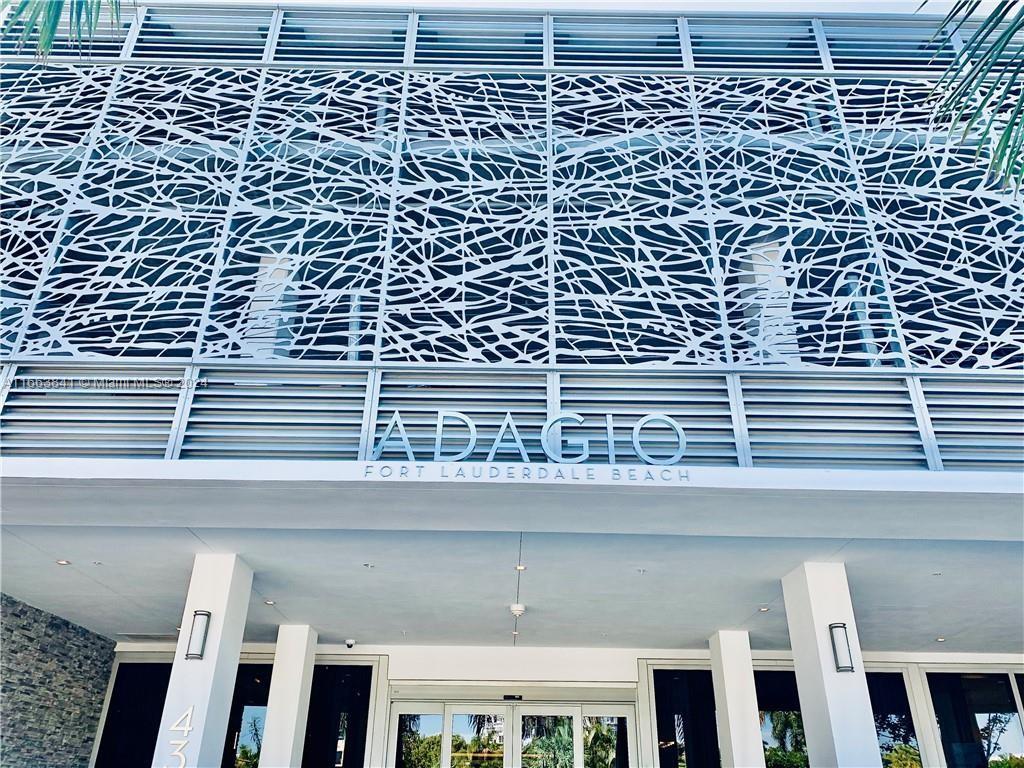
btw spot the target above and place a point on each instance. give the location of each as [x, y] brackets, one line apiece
[52, 683]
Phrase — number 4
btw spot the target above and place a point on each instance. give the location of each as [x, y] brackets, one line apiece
[184, 723]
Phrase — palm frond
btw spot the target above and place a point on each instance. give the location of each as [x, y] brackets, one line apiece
[982, 91]
[39, 20]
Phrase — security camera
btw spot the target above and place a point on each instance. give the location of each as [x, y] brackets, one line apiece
[350, 643]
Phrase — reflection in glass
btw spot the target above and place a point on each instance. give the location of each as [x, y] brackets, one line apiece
[897, 740]
[605, 742]
[782, 727]
[250, 738]
[547, 741]
[339, 706]
[684, 703]
[419, 741]
[978, 720]
[247, 717]
[478, 741]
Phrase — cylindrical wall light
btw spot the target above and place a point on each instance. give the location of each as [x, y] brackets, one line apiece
[841, 647]
[197, 637]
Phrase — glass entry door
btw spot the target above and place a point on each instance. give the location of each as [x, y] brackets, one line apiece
[438, 735]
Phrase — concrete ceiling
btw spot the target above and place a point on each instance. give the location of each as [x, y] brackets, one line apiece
[449, 587]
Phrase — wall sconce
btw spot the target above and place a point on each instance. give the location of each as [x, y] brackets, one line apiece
[197, 637]
[841, 647]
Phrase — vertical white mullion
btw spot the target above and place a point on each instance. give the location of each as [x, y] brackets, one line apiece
[577, 736]
[870, 220]
[923, 715]
[744, 457]
[924, 423]
[409, 55]
[220, 249]
[72, 203]
[446, 736]
[549, 40]
[1018, 697]
[646, 726]
[823, 50]
[272, 34]
[181, 412]
[366, 438]
[685, 43]
[134, 29]
[379, 725]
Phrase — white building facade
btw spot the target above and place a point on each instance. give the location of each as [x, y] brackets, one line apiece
[448, 390]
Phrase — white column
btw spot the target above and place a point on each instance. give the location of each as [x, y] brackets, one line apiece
[284, 734]
[835, 706]
[195, 718]
[739, 725]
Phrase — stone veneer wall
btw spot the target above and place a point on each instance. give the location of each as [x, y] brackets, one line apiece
[54, 678]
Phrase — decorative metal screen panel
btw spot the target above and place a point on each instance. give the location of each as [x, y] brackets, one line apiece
[227, 204]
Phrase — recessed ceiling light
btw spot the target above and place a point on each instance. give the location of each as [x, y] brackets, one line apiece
[763, 609]
[268, 602]
[940, 639]
[63, 562]
[520, 567]
[514, 632]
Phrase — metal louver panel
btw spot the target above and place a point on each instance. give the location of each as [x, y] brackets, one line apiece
[106, 42]
[905, 46]
[480, 39]
[750, 44]
[312, 35]
[700, 404]
[275, 414]
[978, 422]
[582, 41]
[238, 34]
[832, 421]
[89, 412]
[1009, 56]
[483, 397]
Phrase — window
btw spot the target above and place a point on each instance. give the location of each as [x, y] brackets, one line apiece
[339, 706]
[897, 740]
[685, 712]
[248, 717]
[978, 720]
[133, 715]
[782, 726]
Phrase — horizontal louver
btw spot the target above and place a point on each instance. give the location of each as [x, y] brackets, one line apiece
[635, 42]
[337, 36]
[978, 422]
[275, 414]
[904, 46]
[207, 32]
[483, 397]
[747, 44]
[89, 412]
[106, 41]
[699, 404]
[480, 39]
[832, 421]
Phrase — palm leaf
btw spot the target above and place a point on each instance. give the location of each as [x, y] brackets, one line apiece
[40, 20]
[982, 91]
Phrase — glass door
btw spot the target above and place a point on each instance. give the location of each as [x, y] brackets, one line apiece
[437, 735]
[548, 736]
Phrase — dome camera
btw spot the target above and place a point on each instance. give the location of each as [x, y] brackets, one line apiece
[350, 643]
